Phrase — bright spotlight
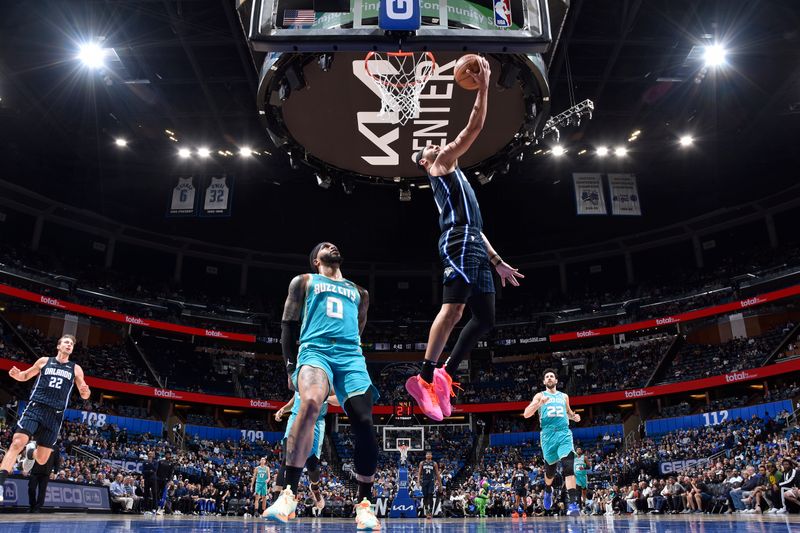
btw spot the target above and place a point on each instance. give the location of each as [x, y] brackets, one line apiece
[558, 150]
[714, 55]
[620, 151]
[686, 140]
[122, 143]
[203, 152]
[602, 151]
[184, 153]
[245, 151]
[92, 55]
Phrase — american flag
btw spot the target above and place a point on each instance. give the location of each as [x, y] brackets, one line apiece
[298, 17]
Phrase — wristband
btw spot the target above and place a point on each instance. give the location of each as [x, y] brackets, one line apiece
[499, 259]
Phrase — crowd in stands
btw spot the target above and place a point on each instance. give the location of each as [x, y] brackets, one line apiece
[695, 361]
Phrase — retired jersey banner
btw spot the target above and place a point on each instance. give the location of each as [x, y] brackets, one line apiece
[624, 195]
[183, 198]
[589, 198]
[217, 196]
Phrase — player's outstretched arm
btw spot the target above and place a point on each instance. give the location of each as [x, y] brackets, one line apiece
[363, 307]
[572, 415]
[504, 270]
[452, 151]
[282, 411]
[83, 388]
[32, 372]
[290, 322]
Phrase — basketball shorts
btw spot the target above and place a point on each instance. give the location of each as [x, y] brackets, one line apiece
[581, 479]
[343, 363]
[41, 423]
[521, 491]
[466, 265]
[556, 445]
[428, 488]
[261, 489]
[319, 434]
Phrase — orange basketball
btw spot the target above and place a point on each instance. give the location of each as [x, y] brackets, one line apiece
[463, 79]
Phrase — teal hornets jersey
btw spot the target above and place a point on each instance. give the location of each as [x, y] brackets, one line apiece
[261, 474]
[331, 311]
[296, 408]
[580, 466]
[553, 414]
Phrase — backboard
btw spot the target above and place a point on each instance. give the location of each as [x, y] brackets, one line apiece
[412, 436]
[504, 26]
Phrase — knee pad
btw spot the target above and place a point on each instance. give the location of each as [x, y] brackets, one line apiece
[568, 465]
[550, 471]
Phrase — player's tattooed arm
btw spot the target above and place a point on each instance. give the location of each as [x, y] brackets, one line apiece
[290, 322]
[32, 372]
[363, 306]
[83, 388]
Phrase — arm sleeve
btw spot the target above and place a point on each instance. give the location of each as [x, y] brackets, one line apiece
[290, 333]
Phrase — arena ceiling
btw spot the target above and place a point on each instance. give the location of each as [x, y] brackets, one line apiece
[182, 69]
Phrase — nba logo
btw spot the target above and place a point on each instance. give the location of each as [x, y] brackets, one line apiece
[502, 13]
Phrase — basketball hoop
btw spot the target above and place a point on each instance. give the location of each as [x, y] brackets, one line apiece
[403, 449]
[400, 77]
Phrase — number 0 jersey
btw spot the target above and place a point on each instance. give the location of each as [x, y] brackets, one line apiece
[54, 384]
[553, 414]
[330, 311]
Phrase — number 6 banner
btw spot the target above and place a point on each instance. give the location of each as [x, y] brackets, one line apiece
[182, 202]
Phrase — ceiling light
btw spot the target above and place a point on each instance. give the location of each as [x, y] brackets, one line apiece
[169, 132]
[620, 151]
[245, 151]
[636, 133]
[92, 55]
[686, 140]
[602, 151]
[121, 142]
[184, 153]
[173, 139]
[203, 152]
[714, 55]
[582, 152]
[558, 150]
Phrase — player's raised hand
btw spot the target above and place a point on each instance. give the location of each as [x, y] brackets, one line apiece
[14, 372]
[508, 273]
[84, 391]
[482, 77]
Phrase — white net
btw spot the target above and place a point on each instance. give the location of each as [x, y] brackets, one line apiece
[400, 78]
[403, 453]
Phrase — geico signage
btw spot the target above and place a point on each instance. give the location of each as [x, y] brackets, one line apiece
[67, 494]
[129, 466]
[679, 466]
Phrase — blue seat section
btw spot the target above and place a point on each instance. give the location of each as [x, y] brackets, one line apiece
[655, 428]
[231, 434]
[587, 434]
[99, 420]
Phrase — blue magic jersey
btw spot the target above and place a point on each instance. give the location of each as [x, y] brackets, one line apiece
[455, 199]
[330, 311]
[54, 384]
[553, 414]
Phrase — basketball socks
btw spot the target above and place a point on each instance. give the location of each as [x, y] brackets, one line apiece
[573, 495]
[427, 370]
[364, 490]
[293, 474]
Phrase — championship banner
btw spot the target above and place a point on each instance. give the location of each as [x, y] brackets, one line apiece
[217, 196]
[624, 195]
[589, 197]
[183, 200]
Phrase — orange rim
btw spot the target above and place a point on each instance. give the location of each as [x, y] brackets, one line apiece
[380, 80]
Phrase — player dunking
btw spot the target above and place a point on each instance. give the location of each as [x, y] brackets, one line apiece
[466, 256]
[258, 486]
[334, 313]
[430, 479]
[42, 418]
[556, 438]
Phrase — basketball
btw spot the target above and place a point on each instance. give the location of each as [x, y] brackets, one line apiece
[463, 79]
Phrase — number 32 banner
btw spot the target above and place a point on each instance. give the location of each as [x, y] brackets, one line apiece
[217, 196]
